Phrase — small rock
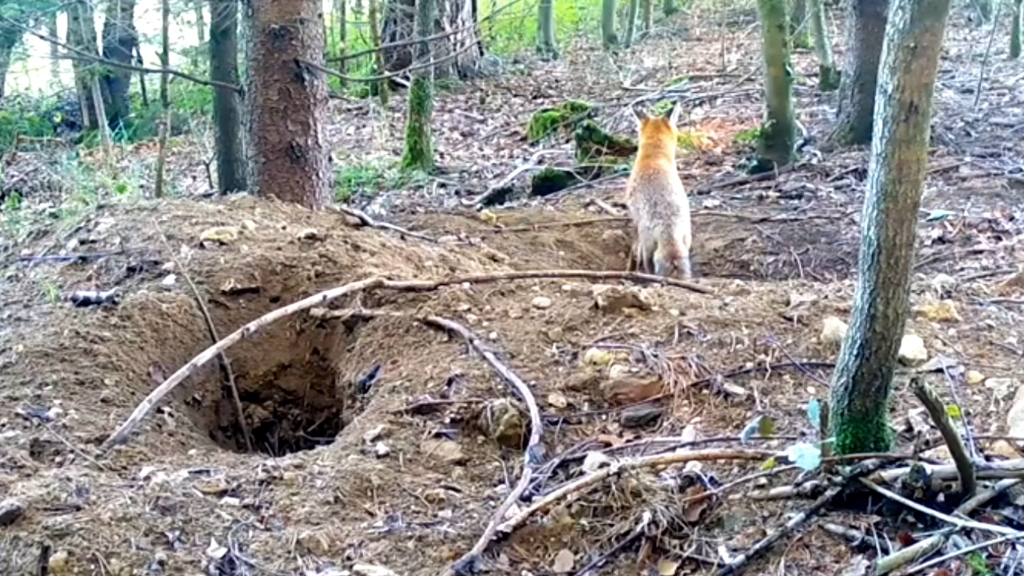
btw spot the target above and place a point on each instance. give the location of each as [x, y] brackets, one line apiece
[564, 561]
[372, 570]
[10, 511]
[912, 350]
[316, 543]
[616, 299]
[640, 416]
[447, 451]
[556, 400]
[1001, 386]
[974, 377]
[169, 281]
[58, 562]
[249, 225]
[381, 450]
[943, 285]
[541, 302]
[595, 460]
[833, 330]
[309, 235]
[220, 234]
[555, 334]
[940, 311]
[628, 390]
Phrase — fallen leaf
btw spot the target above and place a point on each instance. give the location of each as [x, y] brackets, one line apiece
[667, 567]
[564, 561]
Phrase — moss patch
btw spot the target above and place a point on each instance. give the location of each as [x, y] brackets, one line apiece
[548, 121]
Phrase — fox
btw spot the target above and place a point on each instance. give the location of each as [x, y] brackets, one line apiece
[658, 205]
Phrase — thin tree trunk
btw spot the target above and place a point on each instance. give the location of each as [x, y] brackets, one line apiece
[341, 17]
[1015, 30]
[798, 25]
[289, 153]
[197, 7]
[419, 147]
[51, 31]
[82, 36]
[777, 141]
[862, 380]
[378, 89]
[631, 15]
[456, 55]
[828, 75]
[227, 115]
[646, 17]
[165, 98]
[119, 41]
[546, 29]
[609, 38]
[865, 22]
[9, 38]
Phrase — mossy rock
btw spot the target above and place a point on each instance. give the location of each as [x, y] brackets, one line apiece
[551, 180]
[594, 142]
[547, 121]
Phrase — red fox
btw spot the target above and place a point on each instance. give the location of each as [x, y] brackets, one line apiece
[657, 201]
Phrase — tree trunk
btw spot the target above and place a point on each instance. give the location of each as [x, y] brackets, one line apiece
[165, 98]
[646, 17]
[609, 39]
[227, 116]
[82, 36]
[546, 29]
[456, 55]
[51, 31]
[862, 380]
[10, 36]
[419, 148]
[984, 10]
[828, 75]
[197, 7]
[1015, 30]
[378, 89]
[286, 101]
[777, 141]
[865, 24]
[340, 10]
[798, 25]
[631, 16]
[119, 41]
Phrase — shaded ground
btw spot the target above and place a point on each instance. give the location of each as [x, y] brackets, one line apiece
[415, 494]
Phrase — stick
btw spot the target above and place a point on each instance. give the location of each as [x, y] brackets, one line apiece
[368, 221]
[963, 551]
[121, 434]
[533, 454]
[957, 450]
[624, 466]
[984, 470]
[958, 522]
[602, 559]
[229, 374]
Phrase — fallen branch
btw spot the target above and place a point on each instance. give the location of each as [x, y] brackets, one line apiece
[957, 522]
[983, 470]
[625, 465]
[366, 220]
[957, 450]
[121, 434]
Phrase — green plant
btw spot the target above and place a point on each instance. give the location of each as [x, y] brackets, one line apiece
[369, 179]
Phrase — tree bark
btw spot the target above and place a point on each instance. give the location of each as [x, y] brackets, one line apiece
[609, 39]
[286, 101]
[631, 16]
[227, 116]
[828, 75]
[119, 41]
[10, 36]
[777, 141]
[798, 24]
[546, 29]
[865, 22]
[51, 31]
[197, 7]
[1015, 30]
[646, 17]
[862, 380]
[457, 55]
[82, 36]
[419, 148]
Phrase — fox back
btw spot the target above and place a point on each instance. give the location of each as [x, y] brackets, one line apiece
[657, 200]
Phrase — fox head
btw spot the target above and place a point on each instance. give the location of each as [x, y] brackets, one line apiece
[655, 130]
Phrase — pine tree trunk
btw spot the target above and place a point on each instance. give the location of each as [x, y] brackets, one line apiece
[82, 36]
[457, 55]
[227, 116]
[777, 141]
[1015, 30]
[865, 23]
[419, 148]
[862, 381]
[546, 29]
[828, 75]
[165, 98]
[631, 16]
[119, 41]
[609, 38]
[286, 101]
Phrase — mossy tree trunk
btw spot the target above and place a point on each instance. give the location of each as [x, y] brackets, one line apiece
[119, 41]
[631, 16]
[669, 7]
[82, 37]
[609, 38]
[1015, 14]
[546, 29]
[798, 25]
[286, 101]
[828, 75]
[777, 140]
[419, 146]
[865, 22]
[227, 114]
[862, 379]
[646, 17]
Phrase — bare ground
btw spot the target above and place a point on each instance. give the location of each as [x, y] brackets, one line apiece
[185, 494]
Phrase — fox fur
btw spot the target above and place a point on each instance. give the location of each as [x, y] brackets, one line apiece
[657, 200]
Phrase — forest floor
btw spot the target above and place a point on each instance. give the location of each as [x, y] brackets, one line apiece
[422, 456]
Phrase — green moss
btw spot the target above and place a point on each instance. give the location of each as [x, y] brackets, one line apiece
[688, 141]
[547, 121]
[860, 433]
[419, 149]
[551, 180]
[594, 142]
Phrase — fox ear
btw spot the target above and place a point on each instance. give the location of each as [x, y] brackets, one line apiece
[673, 113]
[639, 114]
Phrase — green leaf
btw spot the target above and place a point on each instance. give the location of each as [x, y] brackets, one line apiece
[769, 464]
[954, 412]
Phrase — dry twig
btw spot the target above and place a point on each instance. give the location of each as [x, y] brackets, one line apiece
[957, 450]
[366, 220]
